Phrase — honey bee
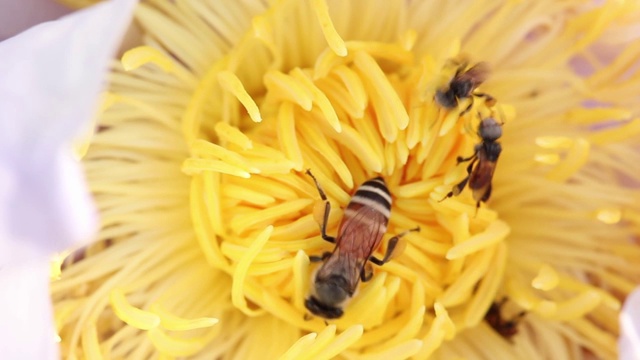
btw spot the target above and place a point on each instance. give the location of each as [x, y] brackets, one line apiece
[360, 233]
[506, 328]
[485, 155]
[463, 85]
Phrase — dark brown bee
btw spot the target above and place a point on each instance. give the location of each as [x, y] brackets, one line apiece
[463, 85]
[506, 328]
[485, 156]
[359, 235]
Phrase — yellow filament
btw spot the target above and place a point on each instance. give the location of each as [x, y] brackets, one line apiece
[323, 339]
[136, 57]
[609, 216]
[389, 106]
[616, 134]
[576, 157]
[401, 351]
[240, 272]
[416, 189]
[354, 85]
[242, 223]
[248, 195]
[289, 88]
[197, 166]
[297, 350]
[300, 278]
[548, 159]
[577, 307]
[547, 278]
[362, 148]
[325, 149]
[91, 344]
[204, 148]
[478, 305]
[408, 332]
[231, 83]
[287, 135]
[554, 142]
[133, 316]
[233, 135]
[172, 322]
[596, 115]
[495, 232]
[331, 35]
[319, 98]
[174, 346]
[340, 343]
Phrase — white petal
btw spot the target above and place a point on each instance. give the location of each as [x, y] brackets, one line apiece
[16, 16]
[629, 342]
[51, 77]
[26, 328]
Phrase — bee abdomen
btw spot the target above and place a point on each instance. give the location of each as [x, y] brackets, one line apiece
[375, 194]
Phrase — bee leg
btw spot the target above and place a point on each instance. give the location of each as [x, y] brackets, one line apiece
[485, 197]
[457, 189]
[307, 317]
[327, 210]
[391, 247]
[367, 273]
[468, 108]
[488, 99]
[316, 258]
[461, 159]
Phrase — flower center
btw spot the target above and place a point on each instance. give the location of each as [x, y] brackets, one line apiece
[347, 119]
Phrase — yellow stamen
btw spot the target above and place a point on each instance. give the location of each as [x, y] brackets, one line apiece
[240, 273]
[136, 57]
[546, 280]
[174, 346]
[496, 232]
[609, 216]
[171, 322]
[135, 317]
[333, 38]
[231, 83]
[576, 157]
[233, 135]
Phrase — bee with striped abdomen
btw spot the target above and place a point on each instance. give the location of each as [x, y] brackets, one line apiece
[359, 235]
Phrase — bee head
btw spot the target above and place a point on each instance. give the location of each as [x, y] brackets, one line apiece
[446, 98]
[332, 291]
[317, 308]
[490, 129]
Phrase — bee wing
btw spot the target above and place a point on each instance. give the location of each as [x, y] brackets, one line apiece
[480, 180]
[360, 235]
[477, 74]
